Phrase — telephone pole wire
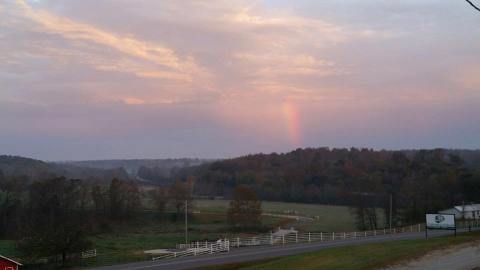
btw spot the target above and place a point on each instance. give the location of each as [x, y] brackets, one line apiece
[473, 5]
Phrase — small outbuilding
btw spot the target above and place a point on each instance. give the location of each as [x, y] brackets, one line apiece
[468, 211]
[8, 264]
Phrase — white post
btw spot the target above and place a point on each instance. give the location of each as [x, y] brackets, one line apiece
[354, 234]
[283, 239]
[271, 238]
[344, 235]
[211, 248]
[238, 242]
[321, 236]
[309, 238]
[418, 227]
[333, 236]
[296, 237]
[365, 233]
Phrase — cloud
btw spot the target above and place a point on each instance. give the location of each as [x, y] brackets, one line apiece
[166, 68]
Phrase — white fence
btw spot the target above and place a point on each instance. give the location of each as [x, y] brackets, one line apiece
[197, 248]
[295, 237]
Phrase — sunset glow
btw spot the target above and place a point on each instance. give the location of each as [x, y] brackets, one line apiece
[226, 78]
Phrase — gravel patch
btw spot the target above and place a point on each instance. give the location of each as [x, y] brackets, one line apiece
[461, 257]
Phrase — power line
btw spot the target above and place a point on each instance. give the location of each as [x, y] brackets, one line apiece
[473, 5]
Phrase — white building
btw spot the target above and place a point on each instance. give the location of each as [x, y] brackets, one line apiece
[468, 211]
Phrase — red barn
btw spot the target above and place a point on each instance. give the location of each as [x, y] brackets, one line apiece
[8, 264]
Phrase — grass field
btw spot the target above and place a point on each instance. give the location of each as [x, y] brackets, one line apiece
[330, 217]
[127, 243]
[364, 257]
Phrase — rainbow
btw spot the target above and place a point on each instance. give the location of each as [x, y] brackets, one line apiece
[292, 120]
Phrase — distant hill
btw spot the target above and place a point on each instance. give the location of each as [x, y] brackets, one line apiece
[158, 171]
[331, 176]
[32, 169]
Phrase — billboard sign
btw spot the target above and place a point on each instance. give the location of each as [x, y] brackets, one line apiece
[440, 221]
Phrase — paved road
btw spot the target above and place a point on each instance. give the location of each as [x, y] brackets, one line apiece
[265, 252]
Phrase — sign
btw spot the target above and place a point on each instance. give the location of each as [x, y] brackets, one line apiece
[440, 221]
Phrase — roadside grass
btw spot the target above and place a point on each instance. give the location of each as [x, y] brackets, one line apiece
[327, 218]
[362, 257]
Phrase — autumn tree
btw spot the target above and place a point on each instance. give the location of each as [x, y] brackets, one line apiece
[245, 208]
[159, 197]
[124, 198]
[179, 193]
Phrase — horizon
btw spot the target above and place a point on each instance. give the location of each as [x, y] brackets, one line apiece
[232, 78]
[239, 156]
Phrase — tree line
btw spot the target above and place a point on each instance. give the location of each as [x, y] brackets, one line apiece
[53, 218]
[416, 181]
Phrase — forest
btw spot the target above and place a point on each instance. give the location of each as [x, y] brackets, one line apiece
[417, 181]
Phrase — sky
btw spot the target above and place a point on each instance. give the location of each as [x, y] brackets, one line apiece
[108, 79]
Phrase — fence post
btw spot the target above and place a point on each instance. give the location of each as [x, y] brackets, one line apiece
[309, 238]
[344, 235]
[394, 230]
[211, 248]
[418, 227]
[354, 234]
[283, 239]
[384, 231]
[333, 236]
[296, 237]
[321, 236]
[238, 242]
[271, 238]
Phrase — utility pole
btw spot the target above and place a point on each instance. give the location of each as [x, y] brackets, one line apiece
[390, 213]
[186, 221]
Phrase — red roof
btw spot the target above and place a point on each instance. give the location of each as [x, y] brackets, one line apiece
[8, 259]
